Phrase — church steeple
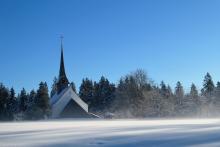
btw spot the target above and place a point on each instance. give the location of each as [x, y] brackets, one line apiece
[62, 79]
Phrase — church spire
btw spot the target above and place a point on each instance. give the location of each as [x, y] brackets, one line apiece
[62, 80]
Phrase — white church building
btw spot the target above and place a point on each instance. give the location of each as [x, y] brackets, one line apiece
[66, 103]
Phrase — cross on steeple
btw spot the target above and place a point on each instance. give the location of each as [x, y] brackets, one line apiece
[61, 39]
[62, 79]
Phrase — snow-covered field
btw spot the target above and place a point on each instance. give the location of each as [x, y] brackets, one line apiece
[126, 133]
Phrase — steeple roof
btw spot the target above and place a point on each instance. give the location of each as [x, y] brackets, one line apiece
[62, 79]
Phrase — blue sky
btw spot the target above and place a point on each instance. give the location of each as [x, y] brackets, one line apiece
[172, 40]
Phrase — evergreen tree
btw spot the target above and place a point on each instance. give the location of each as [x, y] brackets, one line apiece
[11, 105]
[130, 97]
[179, 92]
[23, 101]
[218, 87]
[217, 92]
[96, 102]
[103, 95]
[54, 87]
[193, 91]
[4, 96]
[208, 86]
[42, 100]
[169, 91]
[194, 94]
[31, 109]
[216, 100]
[191, 103]
[168, 103]
[207, 96]
[121, 103]
[86, 91]
[163, 89]
[179, 95]
[31, 98]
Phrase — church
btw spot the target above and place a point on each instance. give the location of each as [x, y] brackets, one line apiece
[65, 103]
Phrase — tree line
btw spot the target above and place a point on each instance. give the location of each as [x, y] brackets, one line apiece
[137, 96]
[134, 96]
[25, 106]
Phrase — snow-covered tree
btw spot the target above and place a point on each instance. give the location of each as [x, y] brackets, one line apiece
[131, 94]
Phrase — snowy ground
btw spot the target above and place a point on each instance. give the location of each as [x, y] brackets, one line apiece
[126, 133]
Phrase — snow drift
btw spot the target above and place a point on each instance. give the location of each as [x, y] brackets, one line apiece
[197, 132]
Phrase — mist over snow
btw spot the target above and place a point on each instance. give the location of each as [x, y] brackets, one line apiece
[125, 133]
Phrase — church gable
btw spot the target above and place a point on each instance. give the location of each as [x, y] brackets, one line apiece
[64, 100]
[73, 110]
